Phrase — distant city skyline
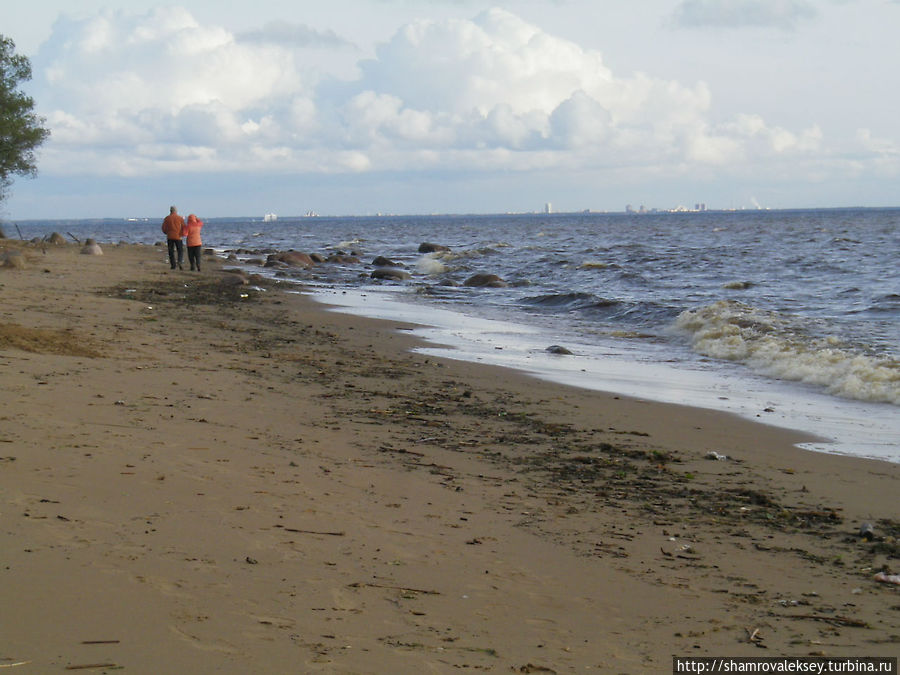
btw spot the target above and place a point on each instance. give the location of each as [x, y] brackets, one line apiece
[358, 107]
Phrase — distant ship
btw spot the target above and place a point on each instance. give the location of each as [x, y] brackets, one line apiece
[270, 218]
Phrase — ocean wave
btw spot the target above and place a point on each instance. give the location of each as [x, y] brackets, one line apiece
[430, 265]
[570, 300]
[478, 252]
[775, 345]
[886, 303]
[593, 264]
[605, 313]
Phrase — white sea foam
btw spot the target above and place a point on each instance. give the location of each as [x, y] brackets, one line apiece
[771, 344]
[430, 265]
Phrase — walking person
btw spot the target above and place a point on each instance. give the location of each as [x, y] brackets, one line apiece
[173, 226]
[194, 243]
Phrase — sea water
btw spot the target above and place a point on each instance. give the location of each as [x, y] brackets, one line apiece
[788, 317]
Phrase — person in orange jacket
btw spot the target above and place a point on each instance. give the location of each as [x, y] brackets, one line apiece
[173, 226]
[192, 231]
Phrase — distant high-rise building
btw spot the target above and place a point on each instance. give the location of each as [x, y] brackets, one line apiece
[548, 208]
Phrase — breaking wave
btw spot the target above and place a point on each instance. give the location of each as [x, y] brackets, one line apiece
[774, 345]
[430, 265]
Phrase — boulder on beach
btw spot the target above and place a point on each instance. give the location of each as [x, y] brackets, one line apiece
[291, 259]
[485, 281]
[56, 238]
[557, 349]
[91, 247]
[427, 247]
[390, 273]
[231, 280]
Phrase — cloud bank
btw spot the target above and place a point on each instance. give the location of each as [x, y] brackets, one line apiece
[786, 14]
[147, 94]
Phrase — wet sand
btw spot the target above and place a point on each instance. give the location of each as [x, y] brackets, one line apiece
[197, 475]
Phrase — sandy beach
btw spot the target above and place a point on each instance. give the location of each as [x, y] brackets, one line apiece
[204, 475]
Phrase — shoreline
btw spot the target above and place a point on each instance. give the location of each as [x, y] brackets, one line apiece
[830, 423]
[277, 486]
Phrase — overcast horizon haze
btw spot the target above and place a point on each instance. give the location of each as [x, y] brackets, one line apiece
[358, 107]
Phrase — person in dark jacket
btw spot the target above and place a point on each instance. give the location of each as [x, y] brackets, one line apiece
[173, 226]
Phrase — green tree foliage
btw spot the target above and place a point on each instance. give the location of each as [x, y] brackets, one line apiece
[21, 130]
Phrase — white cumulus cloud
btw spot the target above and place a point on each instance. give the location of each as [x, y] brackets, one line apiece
[128, 93]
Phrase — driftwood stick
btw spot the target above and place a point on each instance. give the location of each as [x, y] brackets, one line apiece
[88, 666]
[332, 534]
[359, 584]
[99, 642]
[834, 620]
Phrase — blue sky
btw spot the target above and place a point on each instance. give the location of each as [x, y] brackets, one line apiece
[451, 106]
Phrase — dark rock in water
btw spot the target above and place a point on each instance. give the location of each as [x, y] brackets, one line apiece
[867, 532]
[342, 258]
[316, 258]
[482, 280]
[557, 349]
[291, 258]
[381, 261]
[390, 273]
[426, 247]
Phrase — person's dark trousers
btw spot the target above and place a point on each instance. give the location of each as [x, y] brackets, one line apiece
[173, 245]
[194, 256]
